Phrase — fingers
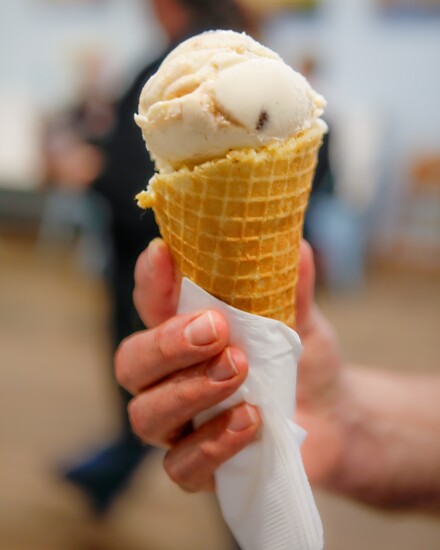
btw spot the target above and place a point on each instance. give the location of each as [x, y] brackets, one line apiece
[305, 288]
[160, 415]
[156, 285]
[178, 370]
[147, 357]
[192, 462]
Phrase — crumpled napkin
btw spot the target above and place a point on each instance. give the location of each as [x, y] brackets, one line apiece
[263, 491]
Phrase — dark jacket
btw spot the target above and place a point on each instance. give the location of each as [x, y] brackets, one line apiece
[127, 169]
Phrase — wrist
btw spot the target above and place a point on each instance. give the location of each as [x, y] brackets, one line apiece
[353, 472]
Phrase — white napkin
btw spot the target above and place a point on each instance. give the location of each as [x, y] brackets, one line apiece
[263, 491]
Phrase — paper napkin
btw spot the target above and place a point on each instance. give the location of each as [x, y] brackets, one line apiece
[263, 491]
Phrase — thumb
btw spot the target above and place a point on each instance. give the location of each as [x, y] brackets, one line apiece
[305, 287]
[157, 284]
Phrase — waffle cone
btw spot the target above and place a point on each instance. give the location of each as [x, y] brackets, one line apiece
[234, 225]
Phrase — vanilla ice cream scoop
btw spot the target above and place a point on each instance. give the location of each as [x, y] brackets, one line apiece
[220, 91]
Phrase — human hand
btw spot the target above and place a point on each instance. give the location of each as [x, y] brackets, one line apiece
[168, 377]
[342, 408]
[178, 369]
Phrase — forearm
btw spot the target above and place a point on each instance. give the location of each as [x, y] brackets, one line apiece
[391, 426]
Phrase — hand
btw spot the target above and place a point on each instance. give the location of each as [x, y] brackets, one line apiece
[177, 370]
[170, 378]
[184, 366]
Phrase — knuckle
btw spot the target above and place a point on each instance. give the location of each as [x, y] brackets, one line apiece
[133, 416]
[121, 366]
[161, 342]
[139, 421]
[185, 392]
[174, 470]
[178, 475]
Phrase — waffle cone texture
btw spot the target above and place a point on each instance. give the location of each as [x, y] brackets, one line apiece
[234, 224]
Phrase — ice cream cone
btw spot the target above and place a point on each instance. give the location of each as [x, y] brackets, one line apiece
[234, 224]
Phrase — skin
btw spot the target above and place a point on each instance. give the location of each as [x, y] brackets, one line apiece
[371, 436]
[172, 16]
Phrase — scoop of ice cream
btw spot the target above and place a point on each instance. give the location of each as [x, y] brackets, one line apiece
[220, 91]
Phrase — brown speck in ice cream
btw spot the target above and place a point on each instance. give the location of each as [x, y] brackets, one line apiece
[264, 117]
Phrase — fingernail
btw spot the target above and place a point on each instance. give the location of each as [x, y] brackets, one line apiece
[224, 369]
[201, 330]
[153, 253]
[242, 418]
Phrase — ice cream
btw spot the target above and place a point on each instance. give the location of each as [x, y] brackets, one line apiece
[234, 133]
[221, 91]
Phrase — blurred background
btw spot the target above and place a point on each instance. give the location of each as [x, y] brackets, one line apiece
[374, 222]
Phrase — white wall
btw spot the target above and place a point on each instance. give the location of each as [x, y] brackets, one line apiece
[391, 66]
[41, 44]
[40, 38]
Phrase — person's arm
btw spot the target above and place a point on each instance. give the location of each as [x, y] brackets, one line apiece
[391, 454]
[371, 436]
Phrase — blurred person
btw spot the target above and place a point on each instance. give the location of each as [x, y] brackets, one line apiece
[72, 161]
[73, 135]
[341, 211]
[126, 170]
[372, 436]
